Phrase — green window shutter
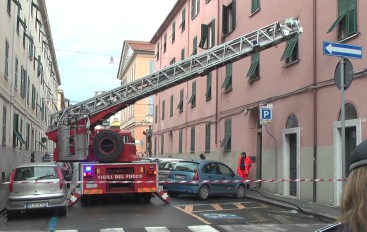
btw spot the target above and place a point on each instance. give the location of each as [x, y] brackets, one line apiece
[254, 64]
[180, 104]
[162, 144]
[183, 22]
[198, 6]
[204, 35]
[194, 45]
[255, 6]
[156, 114]
[183, 54]
[291, 44]
[173, 32]
[165, 42]
[207, 137]
[192, 143]
[226, 143]
[208, 92]
[6, 71]
[192, 9]
[212, 25]
[352, 20]
[180, 141]
[33, 96]
[225, 20]
[28, 89]
[233, 14]
[193, 96]
[163, 108]
[171, 106]
[336, 23]
[228, 81]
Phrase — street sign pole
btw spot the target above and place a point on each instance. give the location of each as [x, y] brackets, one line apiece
[342, 105]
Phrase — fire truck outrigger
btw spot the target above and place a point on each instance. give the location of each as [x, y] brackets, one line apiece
[107, 158]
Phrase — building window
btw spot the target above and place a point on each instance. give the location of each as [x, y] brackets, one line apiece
[183, 54]
[229, 18]
[254, 70]
[207, 35]
[226, 143]
[290, 54]
[207, 138]
[227, 84]
[28, 87]
[150, 106]
[192, 100]
[164, 42]
[192, 141]
[172, 61]
[173, 32]
[347, 19]
[195, 46]
[17, 136]
[156, 114]
[4, 126]
[155, 145]
[163, 108]
[162, 144]
[180, 104]
[33, 97]
[255, 6]
[157, 51]
[208, 93]
[27, 137]
[180, 141]
[16, 74]
[195, 8]
[350, 112]
[171, 107]
[22, 82]
[6, 71]
[292, 121]
[183, 20]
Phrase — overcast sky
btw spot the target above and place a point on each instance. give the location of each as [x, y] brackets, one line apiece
[86, 33]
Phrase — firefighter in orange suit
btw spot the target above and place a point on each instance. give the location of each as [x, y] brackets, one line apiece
[244, 165]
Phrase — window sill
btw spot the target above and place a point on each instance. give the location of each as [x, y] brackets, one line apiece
[255, 12]
[252, 80]
[291, 63]
[349, 37]
[228, 89]
[208, 99]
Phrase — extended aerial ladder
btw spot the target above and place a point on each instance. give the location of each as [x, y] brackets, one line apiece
[89, 113]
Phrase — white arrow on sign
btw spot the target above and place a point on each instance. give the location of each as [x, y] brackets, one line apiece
[330, 48]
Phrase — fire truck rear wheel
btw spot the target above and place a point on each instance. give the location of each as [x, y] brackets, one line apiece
[143, 197]
[85, 200]
[108, 146]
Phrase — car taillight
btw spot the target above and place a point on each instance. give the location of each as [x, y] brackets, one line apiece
[196, 176]
[11, 181]
[61, 177]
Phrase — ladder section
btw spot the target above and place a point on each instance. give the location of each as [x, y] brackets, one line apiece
[198, 65]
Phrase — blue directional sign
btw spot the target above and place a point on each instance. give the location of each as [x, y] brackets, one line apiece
[342, 50]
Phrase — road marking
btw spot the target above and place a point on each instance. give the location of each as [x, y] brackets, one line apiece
[194, 215]
[157, 229]
[112, 230]
[189, 208]
[239, 206]
[52, 224]
[217, 207]
[204, 228]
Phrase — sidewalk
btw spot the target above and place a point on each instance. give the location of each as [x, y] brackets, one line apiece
[2, 196]
[329, 213]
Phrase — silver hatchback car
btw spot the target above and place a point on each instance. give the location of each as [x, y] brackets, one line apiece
[36, 186]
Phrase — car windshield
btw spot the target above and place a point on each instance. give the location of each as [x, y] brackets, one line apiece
[34, 173]
[167, 165]
[186, 166]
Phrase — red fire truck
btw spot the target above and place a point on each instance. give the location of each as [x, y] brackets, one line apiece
[107, 158]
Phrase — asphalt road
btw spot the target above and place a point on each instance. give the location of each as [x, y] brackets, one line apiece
[185, 213]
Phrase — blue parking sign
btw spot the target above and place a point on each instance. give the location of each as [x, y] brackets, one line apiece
[266, 115]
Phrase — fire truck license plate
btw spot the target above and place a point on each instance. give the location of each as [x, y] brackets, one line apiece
[91, 185]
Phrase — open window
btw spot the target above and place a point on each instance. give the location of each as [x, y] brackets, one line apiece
[254, 70]
[207, 35]
[192, 100]
[346, 20]
[227, 83]
[290, 54]
[226, 142]
[229, 18]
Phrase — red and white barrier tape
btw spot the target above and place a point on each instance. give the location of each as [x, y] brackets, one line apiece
[187, 182]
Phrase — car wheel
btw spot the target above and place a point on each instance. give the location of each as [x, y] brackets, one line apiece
[63, 211]
[241, 191]
[203, 193]
[172, 194]
[11, 215]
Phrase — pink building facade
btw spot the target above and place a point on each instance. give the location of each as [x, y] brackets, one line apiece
[218, 114]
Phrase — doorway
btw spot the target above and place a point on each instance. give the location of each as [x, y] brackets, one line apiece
[292, 164]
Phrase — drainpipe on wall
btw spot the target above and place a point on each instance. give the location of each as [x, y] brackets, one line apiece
[314, 106]
[216, 87]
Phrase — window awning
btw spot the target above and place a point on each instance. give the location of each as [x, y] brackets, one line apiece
[336, 22]
[289, 48]
[19, 136]
[226, 140]
[253, 67]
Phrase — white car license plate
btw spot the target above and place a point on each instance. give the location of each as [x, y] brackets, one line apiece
[179, 177]
[91, 185]
[36, 205]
